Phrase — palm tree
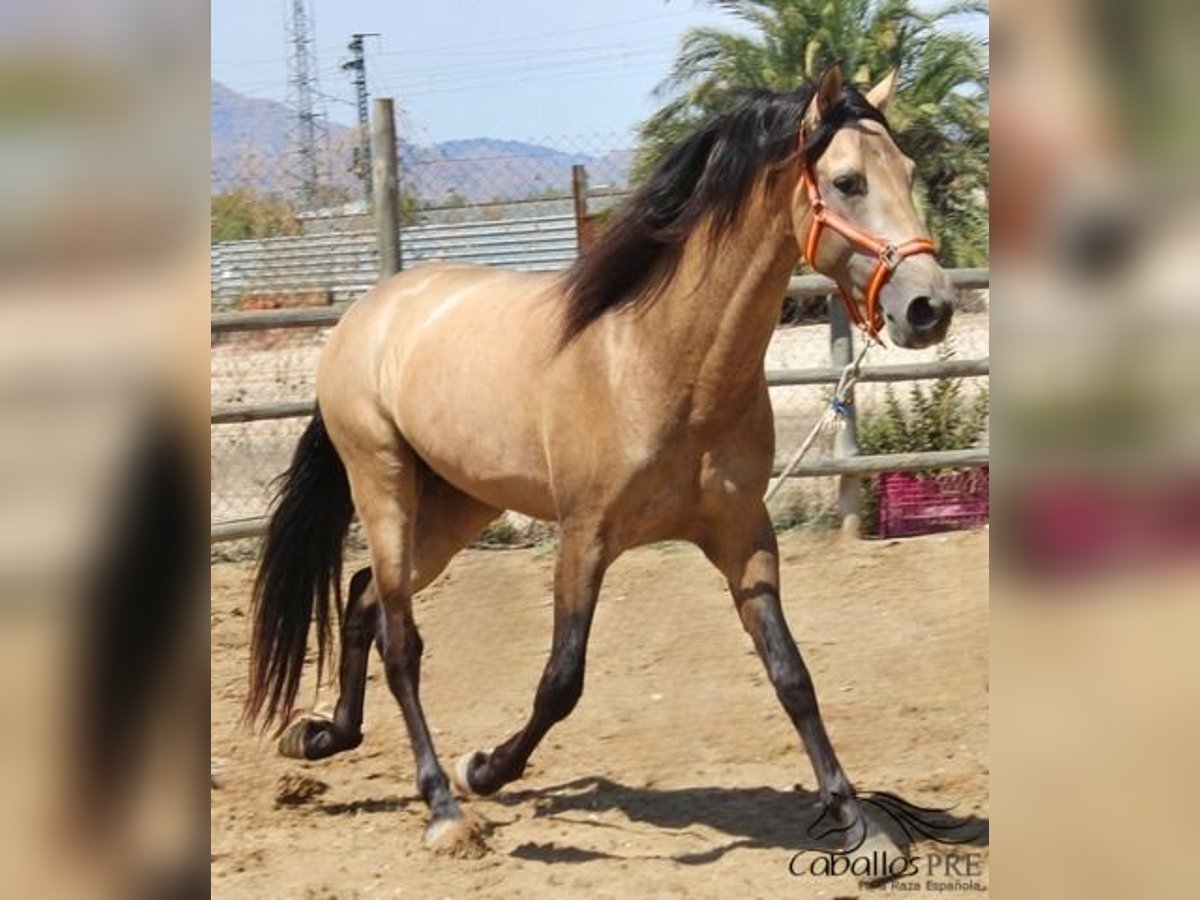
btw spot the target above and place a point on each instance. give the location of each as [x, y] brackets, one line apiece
[939, 114]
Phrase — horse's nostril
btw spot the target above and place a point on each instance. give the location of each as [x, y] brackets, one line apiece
[921, 313]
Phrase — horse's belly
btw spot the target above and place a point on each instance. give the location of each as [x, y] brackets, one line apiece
[504, 484]
[489, 451]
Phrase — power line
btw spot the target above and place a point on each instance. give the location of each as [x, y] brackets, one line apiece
[450, 77]
[529, 70]
[533, 66]
[547, 55]
[523, 80]
[514, 45]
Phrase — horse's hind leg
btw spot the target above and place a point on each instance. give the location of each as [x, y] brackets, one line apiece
[448, 520]
[582, 559]
[384, 478]
[313, 736]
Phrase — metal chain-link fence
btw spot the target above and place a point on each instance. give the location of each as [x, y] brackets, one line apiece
[509, 203]
[268, 376]
[522, 205]
[505, 203]
[255, 370]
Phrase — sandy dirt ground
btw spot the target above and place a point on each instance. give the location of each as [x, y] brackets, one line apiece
[677, 775]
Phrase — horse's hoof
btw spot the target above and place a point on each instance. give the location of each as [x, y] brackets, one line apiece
[878, 859]
[460, 773]
[313, 736]
[461, 837]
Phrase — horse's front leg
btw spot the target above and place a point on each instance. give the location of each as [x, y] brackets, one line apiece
[581, 562]
[745, 550]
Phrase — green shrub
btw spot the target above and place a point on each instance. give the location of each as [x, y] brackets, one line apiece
[938, 418]
[805, 509]
[243, 213]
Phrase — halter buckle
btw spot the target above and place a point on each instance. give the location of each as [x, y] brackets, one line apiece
[890, 257]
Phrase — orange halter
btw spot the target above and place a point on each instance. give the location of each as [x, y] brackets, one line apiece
[889, 255]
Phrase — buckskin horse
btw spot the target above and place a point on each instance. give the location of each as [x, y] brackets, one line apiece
[624, 400]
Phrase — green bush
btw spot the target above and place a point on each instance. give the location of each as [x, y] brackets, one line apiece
[938, 418]
[243, 213]
[805, 509]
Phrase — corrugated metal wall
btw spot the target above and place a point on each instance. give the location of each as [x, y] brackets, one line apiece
[347, 264]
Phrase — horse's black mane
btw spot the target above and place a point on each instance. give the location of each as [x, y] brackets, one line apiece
[706, 176]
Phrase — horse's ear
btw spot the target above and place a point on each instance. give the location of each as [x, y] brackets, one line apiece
[881, 95]
[829, 93]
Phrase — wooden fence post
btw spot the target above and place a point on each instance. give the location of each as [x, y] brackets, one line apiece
[584, 230]
[841, 351]
[385, 178]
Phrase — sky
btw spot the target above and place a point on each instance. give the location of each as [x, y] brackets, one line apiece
[520, 69]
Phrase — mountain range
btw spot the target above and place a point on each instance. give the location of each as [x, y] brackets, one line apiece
[250, 147]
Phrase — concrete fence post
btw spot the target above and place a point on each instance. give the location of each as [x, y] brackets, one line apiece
[385, 177]
[841, 352]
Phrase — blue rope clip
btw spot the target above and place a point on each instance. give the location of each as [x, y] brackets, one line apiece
[841, 407]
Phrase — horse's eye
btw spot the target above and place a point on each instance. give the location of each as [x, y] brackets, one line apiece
[851, 185]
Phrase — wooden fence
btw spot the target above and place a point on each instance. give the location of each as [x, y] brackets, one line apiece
[846, 463]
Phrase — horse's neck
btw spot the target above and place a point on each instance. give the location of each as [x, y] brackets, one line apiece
[711, 327]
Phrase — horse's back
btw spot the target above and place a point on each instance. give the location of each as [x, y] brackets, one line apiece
[450, 357]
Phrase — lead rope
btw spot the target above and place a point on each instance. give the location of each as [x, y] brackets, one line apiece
[835, 410]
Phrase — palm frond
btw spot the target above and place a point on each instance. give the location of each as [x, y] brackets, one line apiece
[940, 114]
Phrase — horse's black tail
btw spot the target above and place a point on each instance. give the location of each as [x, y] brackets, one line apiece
[299, 572]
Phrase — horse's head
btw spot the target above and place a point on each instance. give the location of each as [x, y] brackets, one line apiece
[854, 217]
